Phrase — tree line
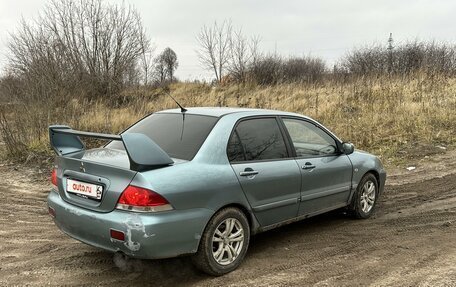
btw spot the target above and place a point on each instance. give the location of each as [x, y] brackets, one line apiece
[86, 47]
[93, 48]
[234, 57]
[430, 57]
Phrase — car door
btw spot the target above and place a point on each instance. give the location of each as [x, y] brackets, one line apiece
[269, 176]
[326, 172]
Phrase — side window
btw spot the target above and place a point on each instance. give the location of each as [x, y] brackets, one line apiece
[308, 139]
[260, 139]
[235, 151]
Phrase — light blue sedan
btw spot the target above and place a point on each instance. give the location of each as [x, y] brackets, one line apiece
[202, 181]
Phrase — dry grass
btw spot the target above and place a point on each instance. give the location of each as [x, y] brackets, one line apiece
[386, 116]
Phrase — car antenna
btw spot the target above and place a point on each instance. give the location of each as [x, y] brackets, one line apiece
[183, 110]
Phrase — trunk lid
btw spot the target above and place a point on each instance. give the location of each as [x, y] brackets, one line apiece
[108, 168]
[95, 179]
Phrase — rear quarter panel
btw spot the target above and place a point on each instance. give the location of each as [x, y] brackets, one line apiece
[194, 185]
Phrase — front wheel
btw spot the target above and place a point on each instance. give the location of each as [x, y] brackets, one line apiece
[224, 242]
[365, 197]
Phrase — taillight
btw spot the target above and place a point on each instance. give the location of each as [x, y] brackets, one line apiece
[54, 177]
[140, 199]
[119, 235]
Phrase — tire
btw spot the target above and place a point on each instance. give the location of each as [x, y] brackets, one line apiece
[365, 199]
[213, 257]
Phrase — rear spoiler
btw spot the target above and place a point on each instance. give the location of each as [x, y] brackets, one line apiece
[143, 153]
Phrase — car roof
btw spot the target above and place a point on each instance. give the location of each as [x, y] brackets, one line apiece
[222, 111]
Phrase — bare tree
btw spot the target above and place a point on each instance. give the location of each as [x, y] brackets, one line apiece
[160, 70]
[214, 50]
[254, 49]
[146, 61]
[170, 62]
[165, 65]
[72, 52]
[240, 56]
[88, 41]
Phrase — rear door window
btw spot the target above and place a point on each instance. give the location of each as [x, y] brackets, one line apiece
[257, 139]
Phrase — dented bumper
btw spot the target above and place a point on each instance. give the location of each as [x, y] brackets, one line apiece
[147, 235]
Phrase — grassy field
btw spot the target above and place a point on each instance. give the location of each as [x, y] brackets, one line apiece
[394, 117]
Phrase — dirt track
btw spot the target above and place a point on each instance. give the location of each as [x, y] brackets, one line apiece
[411, 241]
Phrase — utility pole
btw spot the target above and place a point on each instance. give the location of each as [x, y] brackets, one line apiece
[390, 53]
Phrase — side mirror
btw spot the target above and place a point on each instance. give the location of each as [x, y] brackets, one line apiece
[348, 148]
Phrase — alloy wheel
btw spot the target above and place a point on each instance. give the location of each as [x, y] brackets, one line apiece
[227, 241]
[368, 196]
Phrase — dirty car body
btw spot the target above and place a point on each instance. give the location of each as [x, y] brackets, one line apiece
[197, 163]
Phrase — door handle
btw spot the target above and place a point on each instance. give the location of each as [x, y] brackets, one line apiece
[308, 165]
[248, 172]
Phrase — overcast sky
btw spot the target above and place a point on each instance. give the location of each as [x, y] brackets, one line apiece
[327, 29]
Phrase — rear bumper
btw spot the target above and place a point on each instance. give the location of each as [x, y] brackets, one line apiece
[148, 236]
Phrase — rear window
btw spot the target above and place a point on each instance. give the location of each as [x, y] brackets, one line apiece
[179, 135]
